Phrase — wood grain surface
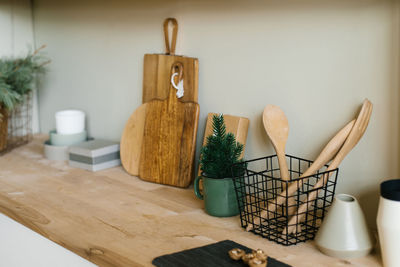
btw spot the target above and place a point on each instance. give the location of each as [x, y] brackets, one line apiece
[169, 141]
[239, 126]
[114, 219]
[131, 141]
[157, 77]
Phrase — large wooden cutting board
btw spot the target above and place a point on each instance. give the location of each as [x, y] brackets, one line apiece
[157, 75]
[169, 141]
[239, 126]
[156, 86]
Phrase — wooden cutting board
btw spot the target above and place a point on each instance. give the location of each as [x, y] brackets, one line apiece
[239, 126]
[156, 85]
[169, 139]
[156, 70]
[131, 141]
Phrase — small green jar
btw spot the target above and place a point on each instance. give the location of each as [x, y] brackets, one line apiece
[219, 196]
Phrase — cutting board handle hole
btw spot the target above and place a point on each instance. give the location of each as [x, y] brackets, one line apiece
[177, 67]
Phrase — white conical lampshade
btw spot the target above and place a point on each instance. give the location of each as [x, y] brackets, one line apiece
[344, 232]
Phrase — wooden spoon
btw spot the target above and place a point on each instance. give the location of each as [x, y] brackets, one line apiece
[277, 127]
[326, 155]
[355, 135]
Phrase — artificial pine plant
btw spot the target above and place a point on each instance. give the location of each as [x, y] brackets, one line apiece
[220, 152]
[17, 76]
[16, 80]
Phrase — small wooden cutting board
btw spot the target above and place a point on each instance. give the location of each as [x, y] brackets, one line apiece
[131, 141]
[237, 125]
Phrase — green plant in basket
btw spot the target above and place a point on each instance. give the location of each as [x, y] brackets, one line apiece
[217, 157]
[17, 76]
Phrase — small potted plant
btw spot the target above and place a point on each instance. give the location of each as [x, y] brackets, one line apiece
[16, 79]
[218, 155]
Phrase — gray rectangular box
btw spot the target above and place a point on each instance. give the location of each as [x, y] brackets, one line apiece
[95, 155]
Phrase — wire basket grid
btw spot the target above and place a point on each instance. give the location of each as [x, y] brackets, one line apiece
[259, 187]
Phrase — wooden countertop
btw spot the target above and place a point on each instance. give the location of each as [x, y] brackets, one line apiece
[114, 219]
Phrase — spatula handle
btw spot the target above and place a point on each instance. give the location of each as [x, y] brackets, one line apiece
[170, 50]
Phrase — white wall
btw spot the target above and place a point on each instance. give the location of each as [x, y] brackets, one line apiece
[17, 37]
[317, 59]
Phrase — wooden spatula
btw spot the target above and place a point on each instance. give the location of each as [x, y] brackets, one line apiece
[355, 135]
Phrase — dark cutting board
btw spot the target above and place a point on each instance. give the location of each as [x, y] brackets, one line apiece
[214, 255]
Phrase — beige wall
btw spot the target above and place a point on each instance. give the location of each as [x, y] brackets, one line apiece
[317, 59]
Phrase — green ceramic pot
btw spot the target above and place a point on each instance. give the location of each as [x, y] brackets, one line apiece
[219, 196]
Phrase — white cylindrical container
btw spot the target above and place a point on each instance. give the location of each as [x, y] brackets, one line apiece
[388, 222]
[70, 121]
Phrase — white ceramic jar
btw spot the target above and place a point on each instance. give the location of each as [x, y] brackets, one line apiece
[344, 232]
[388, 222]
[70, 121]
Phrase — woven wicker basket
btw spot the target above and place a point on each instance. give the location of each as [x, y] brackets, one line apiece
[16, 125]
[3, 128]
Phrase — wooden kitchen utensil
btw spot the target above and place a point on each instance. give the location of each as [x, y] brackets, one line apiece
[355, 135]
[131, 141]
[329, 151]
[169, 138]
[237, 125]
[156, 70]
[277, 127]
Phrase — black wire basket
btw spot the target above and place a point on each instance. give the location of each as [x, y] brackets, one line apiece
[260, 190]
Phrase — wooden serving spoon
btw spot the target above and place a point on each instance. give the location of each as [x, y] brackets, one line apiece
[277, 128]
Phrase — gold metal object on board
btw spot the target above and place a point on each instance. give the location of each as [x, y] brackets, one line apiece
[257, 258]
